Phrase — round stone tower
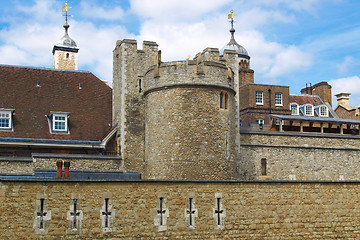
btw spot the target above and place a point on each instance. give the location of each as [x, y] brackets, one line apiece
[190, 119]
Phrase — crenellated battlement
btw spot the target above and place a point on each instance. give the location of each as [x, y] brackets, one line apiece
[191, 72]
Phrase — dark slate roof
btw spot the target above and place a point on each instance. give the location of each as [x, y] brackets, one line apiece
[306, 99]
[78, 175]
[315, 119]
[90, 107]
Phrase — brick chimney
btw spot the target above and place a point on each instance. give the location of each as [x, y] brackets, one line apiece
[343, 99]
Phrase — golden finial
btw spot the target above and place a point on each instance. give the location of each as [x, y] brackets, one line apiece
[188, 58]
[231, 16]
[65, 9]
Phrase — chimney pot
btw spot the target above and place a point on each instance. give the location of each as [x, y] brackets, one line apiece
[59, 165]
[66, 168]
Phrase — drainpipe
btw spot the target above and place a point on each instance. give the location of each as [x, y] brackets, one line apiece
[269, 90]
[66, 168]
[59, 165]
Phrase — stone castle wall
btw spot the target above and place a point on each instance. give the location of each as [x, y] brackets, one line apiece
[130, 65]
[219, 210]
[79, 162]
[187, 134]
[306, 156]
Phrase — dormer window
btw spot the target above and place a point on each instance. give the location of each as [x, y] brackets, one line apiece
[6, 119]
[309, 110]
[323, 111]
[58, 122]
[294, 107]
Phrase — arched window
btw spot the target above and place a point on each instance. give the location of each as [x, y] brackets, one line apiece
[221, 100]
[309, 110]
[226, 101]
[67, 55]
[323, 111]
[294, 107]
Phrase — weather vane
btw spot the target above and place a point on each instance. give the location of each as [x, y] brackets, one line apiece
[65, 9]
[231, 16]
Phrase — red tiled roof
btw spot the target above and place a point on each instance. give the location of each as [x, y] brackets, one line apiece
[90, 106]
[304, 99]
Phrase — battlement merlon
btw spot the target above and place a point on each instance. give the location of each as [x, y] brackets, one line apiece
[213, 54]
[148, 46]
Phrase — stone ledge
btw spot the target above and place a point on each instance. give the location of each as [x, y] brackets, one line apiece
[16, 159]
[298, 134]
[75, 156]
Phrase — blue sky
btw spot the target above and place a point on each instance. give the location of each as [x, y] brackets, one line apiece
[290, 42]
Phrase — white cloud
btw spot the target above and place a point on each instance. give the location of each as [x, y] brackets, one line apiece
[183, 10]
[347, 85]
[91, 10]
[348, 63]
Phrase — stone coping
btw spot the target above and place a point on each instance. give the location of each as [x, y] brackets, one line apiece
[324, 182]
[75, 156]
[299, 147]
[16, 159]
[299, 134]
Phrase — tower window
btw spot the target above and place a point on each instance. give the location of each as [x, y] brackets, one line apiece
[259, 98]
[67, 55]
[278, 99]
[224, 100]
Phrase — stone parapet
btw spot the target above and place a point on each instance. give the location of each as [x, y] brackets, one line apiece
[161, 210]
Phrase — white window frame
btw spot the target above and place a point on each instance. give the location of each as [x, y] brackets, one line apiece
[260, 121]
[326, 111]
[6, 114]
[312, 110]
[278, 99]
[55, 121]
[278, 121]
[297, 108]
[258, 98]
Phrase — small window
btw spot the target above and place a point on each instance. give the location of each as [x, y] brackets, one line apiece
[324, 112]
[67, 55]
[259, 98]
[224, 100]
[294, 107]
[6, 119]
[58, 122]
[260, 121]
[309, 110]
[278, 99]
[221, 100]
[278, 121]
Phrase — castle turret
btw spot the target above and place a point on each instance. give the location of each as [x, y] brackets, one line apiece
[65, 51]
[177, 120]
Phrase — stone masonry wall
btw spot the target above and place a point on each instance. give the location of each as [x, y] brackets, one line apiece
[188, 135]
[307, 156]
[130, 65]
[61, 62]
[220, 210]
[79, 162]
